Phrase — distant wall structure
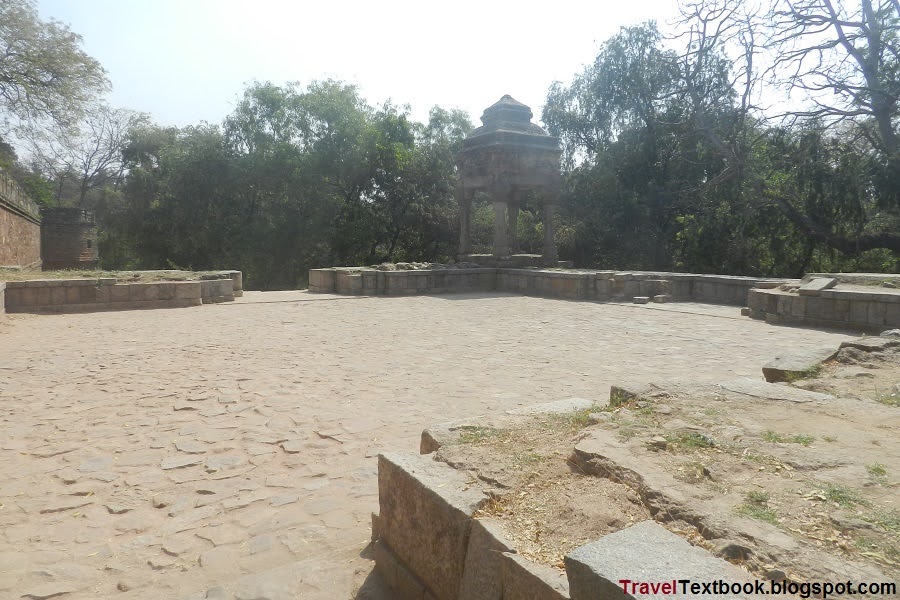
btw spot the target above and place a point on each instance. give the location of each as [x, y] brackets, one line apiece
[68, 239]
[20, 226]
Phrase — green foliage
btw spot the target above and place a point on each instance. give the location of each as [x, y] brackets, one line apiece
[295, 179]
[44, 73]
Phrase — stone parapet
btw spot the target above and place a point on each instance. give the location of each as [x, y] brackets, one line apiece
[101, 294]
[553, 283]
[868, 311]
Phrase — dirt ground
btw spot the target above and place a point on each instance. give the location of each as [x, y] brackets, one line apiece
[231, 448]
[826, 473]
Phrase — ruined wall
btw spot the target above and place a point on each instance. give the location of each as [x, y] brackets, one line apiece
[68, 239]
[20, 226]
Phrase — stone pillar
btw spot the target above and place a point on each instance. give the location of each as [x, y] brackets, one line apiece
[512, 213]
[465, 208]
[501, 246]
[551, 258]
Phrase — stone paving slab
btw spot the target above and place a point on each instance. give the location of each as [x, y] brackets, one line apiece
[87, 414]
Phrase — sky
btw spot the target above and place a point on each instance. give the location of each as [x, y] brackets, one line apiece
[186, 61]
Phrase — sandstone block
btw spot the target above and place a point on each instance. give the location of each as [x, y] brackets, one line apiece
[646, 552]
[797, 365]
[187, 290]
[660, 298]
[426, 509]
[817, 285]
[641, 300]
[525, 580]
[118, 293]
[481, 580]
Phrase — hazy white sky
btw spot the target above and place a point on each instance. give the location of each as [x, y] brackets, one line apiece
[184, 61]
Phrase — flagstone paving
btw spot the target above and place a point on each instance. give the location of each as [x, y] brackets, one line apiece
[228, 451]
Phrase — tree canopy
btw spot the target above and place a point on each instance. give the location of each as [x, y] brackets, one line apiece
[44, 73]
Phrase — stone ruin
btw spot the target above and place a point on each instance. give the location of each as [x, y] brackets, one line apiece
[507, 157]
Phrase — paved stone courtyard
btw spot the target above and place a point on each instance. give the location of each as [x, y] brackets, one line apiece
[161, 454]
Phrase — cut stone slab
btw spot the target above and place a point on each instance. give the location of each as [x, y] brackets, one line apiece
[525, 580]
[662, 298]
[646, 552]
[817, 285]
[641, 299]
[873, 343]
[798, 365]
[426, 510]
[484, 561]
[771, 391]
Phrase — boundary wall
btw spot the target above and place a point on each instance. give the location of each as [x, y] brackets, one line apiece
[573, 285]
[108, 293]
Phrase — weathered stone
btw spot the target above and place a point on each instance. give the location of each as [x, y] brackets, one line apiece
[191, 446]
[797, 365]
[658, 442]
[731, 549]
[641, 300]
[771, 391]
[660, 298]
[646, 552]
[425, 514]
[525, 580]
[484, 561]
[817, 285]
[873, 343]
[117, 509]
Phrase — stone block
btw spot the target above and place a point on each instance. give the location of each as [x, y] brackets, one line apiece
[72, 295]
[784, 304]
[321, 281]
[841, 310]
[426, 509]
[798, 306]
[641, 300]
[818, 308]
[892, 315]
[22, 297]
[876, 313]
[645, 552]
[166, 291]
[118, 293]
[525, 580]
[797, 365]
[57, 295]
[187, 290]
[481, 576]
[88, 294]
[402, 583]
[660, 298]
[817, 285]
[859, 312]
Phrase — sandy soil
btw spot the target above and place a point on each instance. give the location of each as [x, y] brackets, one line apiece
[160, 454]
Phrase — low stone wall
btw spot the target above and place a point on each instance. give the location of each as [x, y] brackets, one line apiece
[89, 295]
[856, 310]
[428, 544]
[572, 284]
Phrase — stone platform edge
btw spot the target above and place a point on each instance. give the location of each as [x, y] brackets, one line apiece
[856, 310]
[574, 285]
[107, 293]
[428, 543]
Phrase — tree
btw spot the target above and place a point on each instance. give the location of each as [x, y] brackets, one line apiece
[846, 57]
[44, 73]
[84, 157]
